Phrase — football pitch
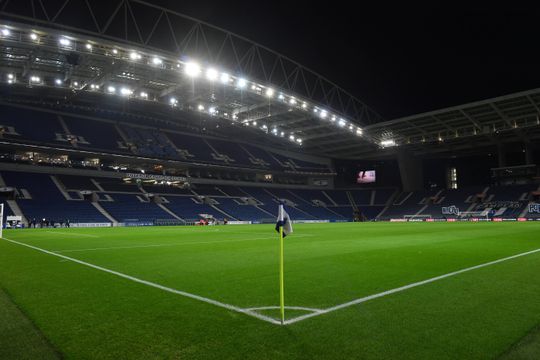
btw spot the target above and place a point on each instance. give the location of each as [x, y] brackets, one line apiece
[352, 291]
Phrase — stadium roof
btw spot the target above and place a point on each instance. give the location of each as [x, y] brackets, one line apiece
[164, 63]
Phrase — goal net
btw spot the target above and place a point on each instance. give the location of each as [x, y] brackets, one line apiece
[417, 217]
[473, 214]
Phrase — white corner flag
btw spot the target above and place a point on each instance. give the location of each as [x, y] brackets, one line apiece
[283, 220]
[283, 227]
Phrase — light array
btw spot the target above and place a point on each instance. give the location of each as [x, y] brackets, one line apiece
[193, 70]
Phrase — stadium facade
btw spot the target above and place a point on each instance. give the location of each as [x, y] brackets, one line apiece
[111, 120]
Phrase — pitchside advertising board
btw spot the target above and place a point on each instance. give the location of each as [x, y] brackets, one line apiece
[533, 208]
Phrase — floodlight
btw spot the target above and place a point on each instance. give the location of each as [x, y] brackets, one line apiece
[212, 110]
[75, 83]
[111, 89]
[126, 91]
[33, 36]
[144, 95]
[6, 32]
[359, 132]
[281, 97]
[342, 122]
[387, 143]
[173, 101]
[224, 78]
[291, 137]
[323, 114]
[292, 101]
[64, 42]
[304, 105]
[211, 74]
[269, 92]
[114, 51]
[58, 82]
[241, 83]
[157, 61]
[299, 141]
[134, 56]
[88, 46]
[192, 69]
[35, 79]
[10, 76]
[200, 107]
[254, 123]
[282, 133]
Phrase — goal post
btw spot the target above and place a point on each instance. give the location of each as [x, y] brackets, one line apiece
[1, 220]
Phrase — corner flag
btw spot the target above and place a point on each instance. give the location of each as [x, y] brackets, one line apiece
[283, 227]
[284, 221]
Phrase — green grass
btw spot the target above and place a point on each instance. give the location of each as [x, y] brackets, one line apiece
[20, 338]
[89, 314]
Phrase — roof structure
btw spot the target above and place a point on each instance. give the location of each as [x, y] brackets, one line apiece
[168, 65]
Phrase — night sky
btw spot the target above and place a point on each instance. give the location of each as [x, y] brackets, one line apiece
[398, 60]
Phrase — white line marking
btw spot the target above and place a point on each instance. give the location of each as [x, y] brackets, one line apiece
[157, 286]
[286, 308]
[406, 287]
[164, 245]
[252, 312]
[72, 233]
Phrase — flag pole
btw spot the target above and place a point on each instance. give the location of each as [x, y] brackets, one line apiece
[281, 277]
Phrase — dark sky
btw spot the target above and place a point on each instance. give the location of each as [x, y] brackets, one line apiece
[399, 60]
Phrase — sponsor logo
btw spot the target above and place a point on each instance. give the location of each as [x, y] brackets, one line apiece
[534, 208]
[450, 210]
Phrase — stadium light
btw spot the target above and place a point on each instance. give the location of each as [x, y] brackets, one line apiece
[114, 51]
[75, 83]
[274, 131]
[304, 105]
[241, 83]
[282, 134]
[211, 74]
[33, 36]
[225, 78]
[254, 123]
[10, 76]
[299, 141]
[388, 143]
[88, 47]
[291, 137]
[64, 42]
[157, 61]
[333, 118]
[212, 110]
[323, 114]
[111, 89]
[94, 87]
[201, 107]
[292, 101]
[192, 69]
[35, 79]
[359, 132]
[6, 32]
[173, 101]
[134, 56]
[269, 92]
[342, 123]
[144, 95]
[281, 97]
[126, 91]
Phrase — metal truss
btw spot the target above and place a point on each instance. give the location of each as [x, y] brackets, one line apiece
[139, 23]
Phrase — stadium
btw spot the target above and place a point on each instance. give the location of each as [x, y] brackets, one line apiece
[147, 159]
